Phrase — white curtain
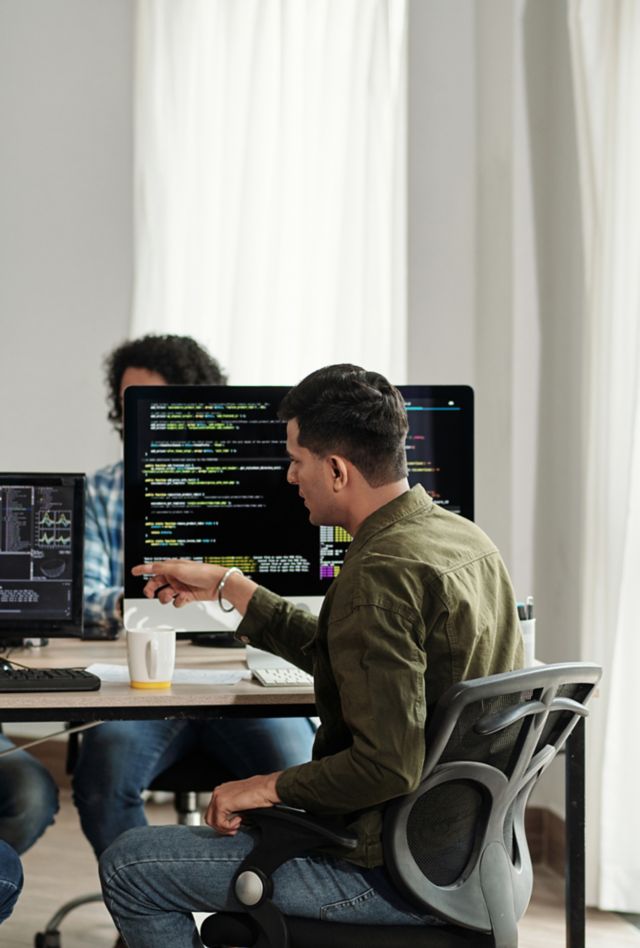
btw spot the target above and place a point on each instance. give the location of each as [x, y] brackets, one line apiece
[605, 38]
[270, 182]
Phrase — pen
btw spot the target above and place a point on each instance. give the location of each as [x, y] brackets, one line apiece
[529, 609]
[522, 610]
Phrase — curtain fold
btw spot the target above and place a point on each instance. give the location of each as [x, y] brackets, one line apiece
[605, 41]
[270, 181]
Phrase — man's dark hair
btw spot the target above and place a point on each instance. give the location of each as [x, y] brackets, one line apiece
[180, 360]
[343, 409]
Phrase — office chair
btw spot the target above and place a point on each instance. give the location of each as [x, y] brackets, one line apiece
[456, 846]
[194, 774]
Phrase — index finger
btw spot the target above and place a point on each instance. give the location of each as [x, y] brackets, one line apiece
[156, 581]
[149, 569]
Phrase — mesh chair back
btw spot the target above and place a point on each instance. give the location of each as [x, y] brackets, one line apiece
[456, 846]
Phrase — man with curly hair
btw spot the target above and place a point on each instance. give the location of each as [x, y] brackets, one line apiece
[119, 759]
[150, 360]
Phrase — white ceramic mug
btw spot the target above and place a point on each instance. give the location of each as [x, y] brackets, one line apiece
[151, 655]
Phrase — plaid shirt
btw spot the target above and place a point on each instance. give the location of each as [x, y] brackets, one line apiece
[103, 546]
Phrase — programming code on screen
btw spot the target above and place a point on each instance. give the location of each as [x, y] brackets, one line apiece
[36, 551]
[212, 486]
[205, 476]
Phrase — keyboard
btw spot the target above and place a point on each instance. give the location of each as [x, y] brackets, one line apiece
[281, 677]
[47, 679]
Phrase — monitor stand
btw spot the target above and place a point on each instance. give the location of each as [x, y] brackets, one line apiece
[20, 641]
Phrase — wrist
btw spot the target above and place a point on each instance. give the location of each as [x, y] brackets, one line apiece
[222, 590]
[272, 790]
[235, 589]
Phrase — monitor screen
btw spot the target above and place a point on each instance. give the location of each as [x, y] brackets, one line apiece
[205, 479]
[41, 555]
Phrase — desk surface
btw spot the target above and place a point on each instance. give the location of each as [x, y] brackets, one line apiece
[119, 701]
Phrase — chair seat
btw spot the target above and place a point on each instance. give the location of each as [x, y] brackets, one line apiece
[230, 928]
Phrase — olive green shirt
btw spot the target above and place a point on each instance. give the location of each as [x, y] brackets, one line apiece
[423, 600]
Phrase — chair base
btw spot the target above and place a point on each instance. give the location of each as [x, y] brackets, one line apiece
[50, 937]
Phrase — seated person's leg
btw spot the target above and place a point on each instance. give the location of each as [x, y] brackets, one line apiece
[116, 762]
[154, 878]
[28, 798]
[152, 881]
[10, 879]
[247, 746]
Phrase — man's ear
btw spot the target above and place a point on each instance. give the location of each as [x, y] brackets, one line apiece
[339, 472]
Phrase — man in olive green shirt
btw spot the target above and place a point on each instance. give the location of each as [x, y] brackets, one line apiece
[423, 600]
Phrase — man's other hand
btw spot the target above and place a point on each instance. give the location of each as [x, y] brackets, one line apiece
[229, 799]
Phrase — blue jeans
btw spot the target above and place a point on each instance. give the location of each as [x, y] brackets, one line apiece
[10, 879]
[28, 798]
[119, 759]
[154, 878]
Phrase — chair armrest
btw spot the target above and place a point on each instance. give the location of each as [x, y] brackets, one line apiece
[284, 832]
[300, 828]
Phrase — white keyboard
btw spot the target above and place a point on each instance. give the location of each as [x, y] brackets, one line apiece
[281, 677]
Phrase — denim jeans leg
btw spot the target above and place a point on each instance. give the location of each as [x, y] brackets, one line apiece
[154, 878]
[250, 746]
[117, 761]
[28, 798]
[10, 879]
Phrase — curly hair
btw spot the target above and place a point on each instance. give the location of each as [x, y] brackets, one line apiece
[180, 360]
[355, 413]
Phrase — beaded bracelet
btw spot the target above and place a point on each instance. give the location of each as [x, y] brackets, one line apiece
[232, 569]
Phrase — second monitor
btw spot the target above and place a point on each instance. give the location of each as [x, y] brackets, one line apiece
[41, 555]
[205, 479]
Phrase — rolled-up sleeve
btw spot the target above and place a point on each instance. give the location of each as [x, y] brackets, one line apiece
[273, 624]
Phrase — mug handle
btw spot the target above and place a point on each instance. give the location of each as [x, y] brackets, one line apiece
[152, 659]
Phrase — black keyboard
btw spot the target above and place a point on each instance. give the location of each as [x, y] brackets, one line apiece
[47, 679]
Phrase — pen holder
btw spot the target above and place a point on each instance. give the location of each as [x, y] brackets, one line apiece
[528, 629]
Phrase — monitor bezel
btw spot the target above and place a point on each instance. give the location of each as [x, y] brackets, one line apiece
[16, 628]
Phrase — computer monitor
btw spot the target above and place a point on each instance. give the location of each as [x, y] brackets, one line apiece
[205, 478]
[41, 556]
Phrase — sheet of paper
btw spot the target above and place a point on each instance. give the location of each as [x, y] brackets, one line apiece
[181, 676]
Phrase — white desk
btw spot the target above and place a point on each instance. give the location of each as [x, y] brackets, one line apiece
[119, 701]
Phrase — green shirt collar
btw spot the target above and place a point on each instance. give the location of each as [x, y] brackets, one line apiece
[406, 505]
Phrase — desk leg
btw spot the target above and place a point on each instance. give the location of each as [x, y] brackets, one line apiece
[575, 836]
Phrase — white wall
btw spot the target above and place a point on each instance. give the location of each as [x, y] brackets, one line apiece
[65, 225]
